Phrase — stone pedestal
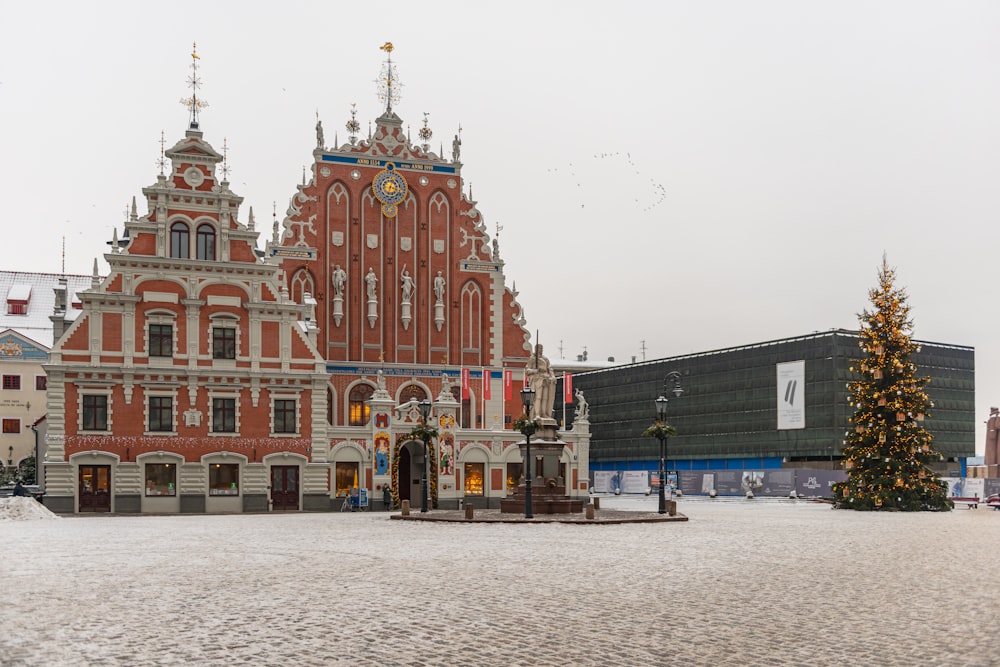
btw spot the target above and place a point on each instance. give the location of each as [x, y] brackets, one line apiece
[548, 489]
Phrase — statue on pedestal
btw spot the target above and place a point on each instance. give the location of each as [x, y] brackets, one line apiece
[539, 376]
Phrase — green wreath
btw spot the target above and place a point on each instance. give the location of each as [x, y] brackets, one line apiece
[416, 435]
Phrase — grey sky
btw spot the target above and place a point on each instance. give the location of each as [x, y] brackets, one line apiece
[694, 175]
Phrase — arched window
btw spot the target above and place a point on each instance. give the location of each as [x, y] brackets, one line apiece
[414, 391]
[359, 411]
[206, 242]
[302, 283]
[180, 241]
[329, 406]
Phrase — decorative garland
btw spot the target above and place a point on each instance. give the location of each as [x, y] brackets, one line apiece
[432, 480]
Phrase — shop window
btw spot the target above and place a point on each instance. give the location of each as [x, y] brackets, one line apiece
[514, 472]
[180, 239]
[346, 478]
[12, 382]
[223, 415]
[224, 479]
[474, 474]
[205, 242]
[358, 407]
[284, 416]
[11, 425]
[161, 340]
[223, 343]
[161, 479]
[41, 382]
[95, 413]
[161, 413]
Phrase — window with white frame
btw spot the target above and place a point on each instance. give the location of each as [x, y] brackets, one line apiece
[93, 412]
[285, 415]
[223, 414]
[160, 414]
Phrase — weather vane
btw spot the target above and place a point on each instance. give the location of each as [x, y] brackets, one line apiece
[388, 81]
[193, 104]
[225, 158]
[162, 162]
[353, 126]
[425, 135]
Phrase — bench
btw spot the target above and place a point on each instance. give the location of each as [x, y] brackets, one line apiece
[970, 502]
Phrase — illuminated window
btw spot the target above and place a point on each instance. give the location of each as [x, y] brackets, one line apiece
[224, 479]
[514, 471]
[474, 479]
[346, 478]
[358, 407]
[161, 479]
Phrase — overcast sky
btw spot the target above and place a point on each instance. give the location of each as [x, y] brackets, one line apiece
[683, 176]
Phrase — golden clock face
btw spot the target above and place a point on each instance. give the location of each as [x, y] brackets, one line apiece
[390, 188]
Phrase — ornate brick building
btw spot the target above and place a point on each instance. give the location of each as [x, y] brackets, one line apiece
[204, 377]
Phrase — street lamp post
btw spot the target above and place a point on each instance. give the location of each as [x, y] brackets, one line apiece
[661, 415]
[527, 400]
[425, 412]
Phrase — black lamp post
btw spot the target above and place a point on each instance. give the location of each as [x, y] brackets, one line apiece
[425, 412]
[661, 415]
[527, 400]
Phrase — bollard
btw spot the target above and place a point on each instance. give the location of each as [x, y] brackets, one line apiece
[468, 512]
[672, 507]
[590, 511]
[405, 508]
[597, 503]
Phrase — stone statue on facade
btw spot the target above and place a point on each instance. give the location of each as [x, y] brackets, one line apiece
[407, 281]
[339, 279]
[456, 148]
[439, 287]
[582, 413]
[992, 457]
[319, 134]
[372, 281]
[539, 376]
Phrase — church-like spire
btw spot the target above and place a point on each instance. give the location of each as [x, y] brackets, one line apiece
[194, 104]
[388, 81]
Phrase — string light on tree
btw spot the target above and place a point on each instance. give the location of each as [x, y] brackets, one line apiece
[887, 450]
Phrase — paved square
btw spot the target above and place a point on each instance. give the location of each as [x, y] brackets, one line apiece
[742, 583]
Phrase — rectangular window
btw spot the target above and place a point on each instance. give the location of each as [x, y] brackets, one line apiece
[514, 471]
[223, 343]
[224, 479]
[161, 340]
[11, 425]
[223, 415]
[12, 382]
[346, 478]
[95, 413]
[161, 479]
[284, 416]
[161, 413]
[41, 382]
[474, 479]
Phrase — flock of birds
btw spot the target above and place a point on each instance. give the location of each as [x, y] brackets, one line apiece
[646, 201]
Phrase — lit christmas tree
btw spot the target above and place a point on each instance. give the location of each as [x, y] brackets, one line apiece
[887, 450]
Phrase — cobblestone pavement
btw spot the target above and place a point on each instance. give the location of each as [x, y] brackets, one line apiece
[741, 583]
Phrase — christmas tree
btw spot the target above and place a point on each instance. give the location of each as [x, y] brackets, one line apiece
[887, 450]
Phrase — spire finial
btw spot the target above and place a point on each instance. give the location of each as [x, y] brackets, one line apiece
[225, 158]
[135, 210]
[425, 135]
[353, 126]
[64, 254]
[162, 162]
[251, 224]
[193, 104]
[274, 226]
[388, 81]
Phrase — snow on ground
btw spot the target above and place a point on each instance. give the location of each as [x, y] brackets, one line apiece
[23, 509]
[760, 582]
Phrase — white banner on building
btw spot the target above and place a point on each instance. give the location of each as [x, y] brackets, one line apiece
[791, 395]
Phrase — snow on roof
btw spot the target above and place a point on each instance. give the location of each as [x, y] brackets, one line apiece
[35, 323]
[19, 293]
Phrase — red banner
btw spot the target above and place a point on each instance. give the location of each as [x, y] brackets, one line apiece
[487, 393]
[465, 384]
[508, 385]
[568, 388]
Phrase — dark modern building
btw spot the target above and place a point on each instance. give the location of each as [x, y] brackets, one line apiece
[728, 415]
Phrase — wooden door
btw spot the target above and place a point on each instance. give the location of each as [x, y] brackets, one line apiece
[403, 480]
[284, 488]
[95, 489]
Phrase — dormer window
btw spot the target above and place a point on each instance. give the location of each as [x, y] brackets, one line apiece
[17, 299]
[180, 239]
[206, 242]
